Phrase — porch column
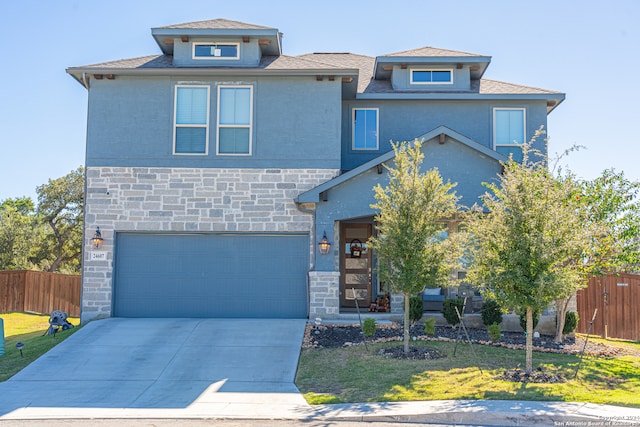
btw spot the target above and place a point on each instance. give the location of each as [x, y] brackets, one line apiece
[324, 294]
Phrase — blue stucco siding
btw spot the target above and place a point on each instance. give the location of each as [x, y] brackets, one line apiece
[404, 120]
[456, 162]
[296, 123]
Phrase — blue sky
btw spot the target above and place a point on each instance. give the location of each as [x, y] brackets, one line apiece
[586, 49]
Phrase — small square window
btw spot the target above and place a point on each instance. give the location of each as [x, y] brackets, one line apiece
[426, 76]
[215, 50]
[365, 129]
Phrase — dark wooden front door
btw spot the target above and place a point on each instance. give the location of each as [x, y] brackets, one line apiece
[355, 279]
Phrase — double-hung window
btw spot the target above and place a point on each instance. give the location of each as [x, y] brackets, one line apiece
[365, 128]
[430, 77]
[235, 111]
[509, 126]
[191, 116]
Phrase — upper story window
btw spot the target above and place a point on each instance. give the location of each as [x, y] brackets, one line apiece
[216, 50]
[424, 76]
[509, 126]
[191, 120]
[235, 112]
[365, 128]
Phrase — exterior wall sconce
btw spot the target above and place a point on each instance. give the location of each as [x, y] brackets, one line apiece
[324, 246]
[97, 239]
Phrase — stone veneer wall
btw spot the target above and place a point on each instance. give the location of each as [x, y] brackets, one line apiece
[185, 200]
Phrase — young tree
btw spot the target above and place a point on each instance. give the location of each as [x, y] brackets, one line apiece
[410, 210]
[61, 206]
[531, 246]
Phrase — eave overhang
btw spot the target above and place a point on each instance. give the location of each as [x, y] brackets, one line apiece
[552, 100]
[384, 64]
[83, 75]
[270, 39]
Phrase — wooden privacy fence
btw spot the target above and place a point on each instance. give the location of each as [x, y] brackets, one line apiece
[39, 292]
[617, 298]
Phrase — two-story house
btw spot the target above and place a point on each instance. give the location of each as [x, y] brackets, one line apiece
[230, 180]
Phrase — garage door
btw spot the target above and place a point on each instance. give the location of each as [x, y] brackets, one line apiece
[211, 275]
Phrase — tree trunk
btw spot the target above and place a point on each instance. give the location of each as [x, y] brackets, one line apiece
[561, 312]
[529, 342]
[406, 322]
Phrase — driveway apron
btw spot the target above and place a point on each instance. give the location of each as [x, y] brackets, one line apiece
[202, 366]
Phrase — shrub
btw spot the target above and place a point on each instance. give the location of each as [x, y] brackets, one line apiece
[571, 319]
[494, 331]
[415, 308]
[523, 319]
[369, 327]
[449, 311]
[491, 312]
[430, 326]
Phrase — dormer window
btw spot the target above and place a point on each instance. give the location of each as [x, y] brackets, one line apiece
[216, 51]
[425, 76]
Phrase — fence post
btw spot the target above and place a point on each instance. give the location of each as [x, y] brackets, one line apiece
[1, 336]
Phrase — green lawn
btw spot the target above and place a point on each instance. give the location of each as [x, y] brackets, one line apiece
[28, 329]
[353, 374]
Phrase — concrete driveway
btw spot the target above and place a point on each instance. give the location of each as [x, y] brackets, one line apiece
[148, 367]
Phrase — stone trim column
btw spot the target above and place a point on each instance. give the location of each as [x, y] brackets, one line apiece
[324, 294]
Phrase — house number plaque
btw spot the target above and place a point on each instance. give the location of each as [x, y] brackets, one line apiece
[98, 256]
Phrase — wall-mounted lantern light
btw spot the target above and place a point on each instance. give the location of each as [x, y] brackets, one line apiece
[324, 246]
[97, 239]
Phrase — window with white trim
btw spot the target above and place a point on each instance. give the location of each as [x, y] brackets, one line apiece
[365, 129]
[191, 120]
[426, 76]
[235, 117]
[509, 126]
[216, 51]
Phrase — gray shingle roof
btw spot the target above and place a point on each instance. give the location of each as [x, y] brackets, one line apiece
[431, 51]
[218, 24]
[363, 63]
[282, 62]
[495, 87]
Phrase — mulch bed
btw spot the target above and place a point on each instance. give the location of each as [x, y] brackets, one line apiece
[537, 376]
[335, 336]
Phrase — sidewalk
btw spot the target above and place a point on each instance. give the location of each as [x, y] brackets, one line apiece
[265, 406]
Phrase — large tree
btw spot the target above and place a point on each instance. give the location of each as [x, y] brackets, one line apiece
[610, 204]
[17, 228]
[611, 200]
[61, 207]
[531, 243]
[409, 219]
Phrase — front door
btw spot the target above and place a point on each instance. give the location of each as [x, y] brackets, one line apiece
[356, 265]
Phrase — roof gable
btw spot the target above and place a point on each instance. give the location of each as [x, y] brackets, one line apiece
[218, 24]
[313, 195]
[433, 52]
[271, 38]
[431, 56]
